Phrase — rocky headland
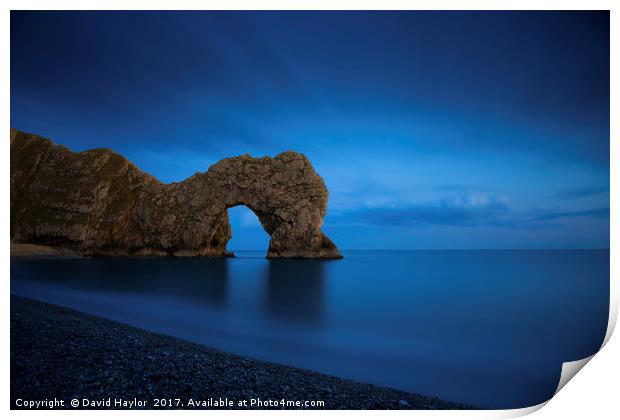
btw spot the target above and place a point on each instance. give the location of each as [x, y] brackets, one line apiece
[98, 203]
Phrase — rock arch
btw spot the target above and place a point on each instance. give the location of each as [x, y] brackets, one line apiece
[99, 203]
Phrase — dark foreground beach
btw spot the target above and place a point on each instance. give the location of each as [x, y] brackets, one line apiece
[62, 354]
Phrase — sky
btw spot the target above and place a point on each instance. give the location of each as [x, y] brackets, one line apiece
[432, 130]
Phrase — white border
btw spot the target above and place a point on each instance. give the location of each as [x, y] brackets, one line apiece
[593, 394]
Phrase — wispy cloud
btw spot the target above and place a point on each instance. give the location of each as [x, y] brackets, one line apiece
[602, 212]
[462, 208]
[470, 208]
[581, 192]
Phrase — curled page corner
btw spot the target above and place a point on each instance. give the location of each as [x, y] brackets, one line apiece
[570, 369]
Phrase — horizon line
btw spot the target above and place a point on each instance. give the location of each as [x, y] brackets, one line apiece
[457, 249]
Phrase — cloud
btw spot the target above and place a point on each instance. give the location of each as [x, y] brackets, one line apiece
[581, 192]
[602, 212]
[465, 208]
[469, 208]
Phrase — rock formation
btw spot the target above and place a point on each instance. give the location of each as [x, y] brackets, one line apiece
[98, 203]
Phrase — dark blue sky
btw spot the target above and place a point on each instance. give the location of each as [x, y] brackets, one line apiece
[431, 129]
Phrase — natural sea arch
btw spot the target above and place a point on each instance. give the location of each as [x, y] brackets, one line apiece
[285, 193]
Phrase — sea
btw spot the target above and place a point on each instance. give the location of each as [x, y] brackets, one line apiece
[489, 328]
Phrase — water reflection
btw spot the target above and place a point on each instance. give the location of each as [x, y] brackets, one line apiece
[295, 291]
[204, 280]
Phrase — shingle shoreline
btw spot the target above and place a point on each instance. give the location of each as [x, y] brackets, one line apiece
[58, 353]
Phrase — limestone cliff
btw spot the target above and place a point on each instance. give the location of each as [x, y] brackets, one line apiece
[98, 203]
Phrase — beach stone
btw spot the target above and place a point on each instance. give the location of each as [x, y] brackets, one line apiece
[42, 366]
[97, 202]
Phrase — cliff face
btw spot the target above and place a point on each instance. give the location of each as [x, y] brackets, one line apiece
[98, 203]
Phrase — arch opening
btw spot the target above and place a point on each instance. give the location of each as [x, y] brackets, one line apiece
[248, 233]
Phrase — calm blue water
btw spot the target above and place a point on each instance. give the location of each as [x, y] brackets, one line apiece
[488, 328]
